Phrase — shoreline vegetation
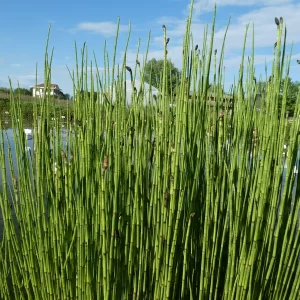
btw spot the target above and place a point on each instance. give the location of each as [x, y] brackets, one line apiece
[173, 199]
[27, 105]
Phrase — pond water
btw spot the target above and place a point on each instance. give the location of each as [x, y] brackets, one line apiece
[9, 142]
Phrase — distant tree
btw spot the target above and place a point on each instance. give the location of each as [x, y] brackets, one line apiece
[261, 87]
[215, 87]
[153, 72]
[63, 96]
[23, 91]
[88, 93]
[67, 96]
[4, 90]
[292, 92]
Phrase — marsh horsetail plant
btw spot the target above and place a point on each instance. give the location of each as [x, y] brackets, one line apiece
[148, 200]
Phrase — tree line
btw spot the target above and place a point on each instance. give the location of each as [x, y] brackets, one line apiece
[154, 68]
[153, 71]
[291, 96]
[28, 92]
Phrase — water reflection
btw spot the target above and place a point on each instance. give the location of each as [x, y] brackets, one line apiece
[9, 142]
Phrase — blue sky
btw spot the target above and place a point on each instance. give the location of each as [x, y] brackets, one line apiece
[24, 26]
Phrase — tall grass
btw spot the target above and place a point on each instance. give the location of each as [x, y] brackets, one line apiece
[153, 202]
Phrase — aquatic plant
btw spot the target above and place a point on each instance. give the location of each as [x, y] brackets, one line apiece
[151, 201]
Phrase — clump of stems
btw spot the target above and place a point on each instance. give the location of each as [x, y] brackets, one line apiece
[149, 201]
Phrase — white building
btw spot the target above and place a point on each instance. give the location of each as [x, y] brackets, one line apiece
[147, 96]
[39, 90]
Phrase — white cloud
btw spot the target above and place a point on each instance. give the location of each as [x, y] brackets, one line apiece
[235, 61]
[265, 30]
[176, 29]
[265, 35]
[202, 6]
[262, 17]
[16, 65]
[104, 28]
[264, 27]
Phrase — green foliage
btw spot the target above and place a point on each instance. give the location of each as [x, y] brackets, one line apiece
[291, 96]
[4, 90]
[153, 71]
[67, 96]
[23, 91]
[215, 88]
[62, 96]
[87, 95]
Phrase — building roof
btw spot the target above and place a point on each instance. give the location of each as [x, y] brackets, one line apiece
[52, 85]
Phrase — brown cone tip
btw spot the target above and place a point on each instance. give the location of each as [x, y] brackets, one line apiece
[196, 48]
[254, 133]
[276, 21]
[71, 156]
[128, 69]
[298, 61]
[167, 196]
[105, 163]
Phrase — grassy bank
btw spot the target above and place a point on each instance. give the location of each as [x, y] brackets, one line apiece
[148, 202]
[27, 106]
